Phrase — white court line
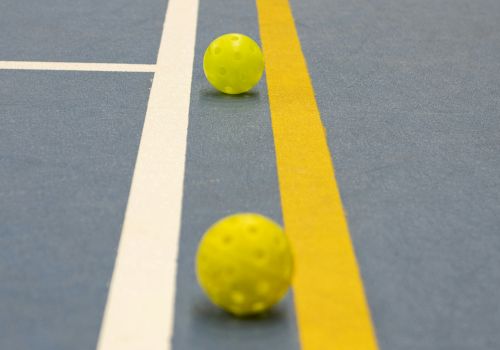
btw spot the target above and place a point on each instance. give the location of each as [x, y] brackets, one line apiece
[140, 308]
[77, 66]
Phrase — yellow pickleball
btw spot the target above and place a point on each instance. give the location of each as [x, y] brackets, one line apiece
[233, 63]
[244, 264]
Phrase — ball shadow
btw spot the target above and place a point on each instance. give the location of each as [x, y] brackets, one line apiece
[211, 95]
[210, 314]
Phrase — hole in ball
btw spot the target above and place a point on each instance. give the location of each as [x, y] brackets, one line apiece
[260, 254]
[237, 297]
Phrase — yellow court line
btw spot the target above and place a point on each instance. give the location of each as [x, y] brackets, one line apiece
[332, 312]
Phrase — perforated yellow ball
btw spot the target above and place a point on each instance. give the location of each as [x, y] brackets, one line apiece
[233, 63]
[244, 264]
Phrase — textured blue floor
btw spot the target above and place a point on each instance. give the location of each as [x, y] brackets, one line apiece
[114, 31]
[409, 95]
[68, 143]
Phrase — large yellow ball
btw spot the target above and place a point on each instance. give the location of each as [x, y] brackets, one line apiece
[233, 63]
[244, 264]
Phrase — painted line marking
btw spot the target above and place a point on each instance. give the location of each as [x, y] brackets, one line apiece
[332, 312]
[140, 308]
[78, 66]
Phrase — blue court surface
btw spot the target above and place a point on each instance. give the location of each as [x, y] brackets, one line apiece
[116, 154]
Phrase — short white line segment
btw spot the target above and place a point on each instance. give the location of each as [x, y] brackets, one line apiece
[78, 66]
[140, 308]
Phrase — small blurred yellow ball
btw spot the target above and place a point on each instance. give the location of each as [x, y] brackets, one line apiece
[244, 264]
[233, 63]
